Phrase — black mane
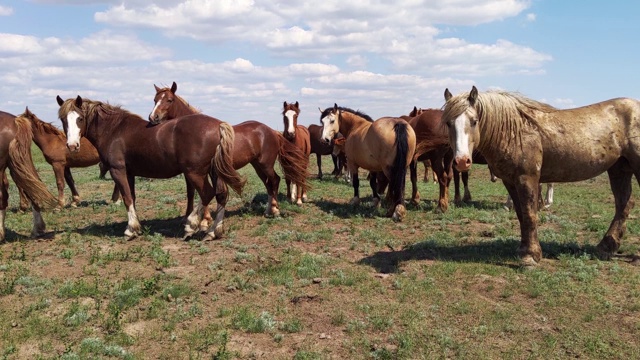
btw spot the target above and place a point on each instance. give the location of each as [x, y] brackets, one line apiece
[342, 108]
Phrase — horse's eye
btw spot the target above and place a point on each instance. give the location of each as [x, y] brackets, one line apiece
[473, 123]
[170, 101]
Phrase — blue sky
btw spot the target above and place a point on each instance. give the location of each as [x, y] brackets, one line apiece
[240, 59]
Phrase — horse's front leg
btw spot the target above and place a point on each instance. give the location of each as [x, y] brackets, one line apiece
[75, 196]
[444, 174]
[526, 199]
[620, 175]
[221, 193]
[121, 179]
[374, 188]
[465, 183]
[413, 169]
[356, 186]
[58, 171]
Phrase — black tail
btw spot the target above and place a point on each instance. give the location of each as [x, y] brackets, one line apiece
[399, 166]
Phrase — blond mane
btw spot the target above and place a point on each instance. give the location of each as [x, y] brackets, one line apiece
[92, 109]
[182, 100]
[502, 115]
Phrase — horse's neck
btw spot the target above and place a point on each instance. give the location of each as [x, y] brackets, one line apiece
[350, 122]
[40, 136]
[182, 109]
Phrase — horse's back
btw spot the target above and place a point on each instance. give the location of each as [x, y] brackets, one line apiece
[253, 140]
[374, 147]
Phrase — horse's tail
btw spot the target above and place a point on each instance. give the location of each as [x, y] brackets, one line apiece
[399, 166]
[22, 169]
[293, 162]
[223, 160]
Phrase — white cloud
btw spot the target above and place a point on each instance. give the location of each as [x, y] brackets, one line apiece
[531, 17]
[5, 10]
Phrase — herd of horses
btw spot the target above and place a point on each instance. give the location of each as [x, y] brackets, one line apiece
[523, 141]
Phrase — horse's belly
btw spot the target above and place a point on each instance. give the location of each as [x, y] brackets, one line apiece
[575, 168]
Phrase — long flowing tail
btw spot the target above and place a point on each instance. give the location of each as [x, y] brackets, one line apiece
[293, 162]
[23, 171]
[223, 160]
[399, 166]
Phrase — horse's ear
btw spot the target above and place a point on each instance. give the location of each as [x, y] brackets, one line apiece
[284, 105]
[473, 95]
[27, 112]
[156, 87]
[79, 101]
[297, 105]
[335, 107]
[59, 100]
[319, 109]
[447, 94]
[174, 87]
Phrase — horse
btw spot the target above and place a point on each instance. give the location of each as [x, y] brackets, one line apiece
[527, 142]
[255, 143]
[52, 142]
[386, 145]
[15, 153]
[427, 163]
[198, 146]
[320, 148]
[299, 135]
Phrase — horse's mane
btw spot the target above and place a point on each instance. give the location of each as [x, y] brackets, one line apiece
[182, 100]
[346, 109]
[42, 126]
[502, 115]
[92, 109]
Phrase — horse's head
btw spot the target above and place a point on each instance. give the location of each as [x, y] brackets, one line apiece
[164, 100]
[416, 111]
[290, 118]
[330, 119]
[461, 117]
[73, 121]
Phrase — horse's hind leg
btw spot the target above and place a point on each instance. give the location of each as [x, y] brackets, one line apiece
[271, 182]
[58, 171]
[25, 204]
[75, 196]
[126, 187]
[374, 187]
[4, 200]
[620, 180]
[413, 170]
[216, 230]
[525, 201]
[319, 162]
[39, 227]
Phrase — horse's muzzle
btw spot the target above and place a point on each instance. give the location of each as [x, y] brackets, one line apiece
[462, 163]
[325, 141]
[73, 147]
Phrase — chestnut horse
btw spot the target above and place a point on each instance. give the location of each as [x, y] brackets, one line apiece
[15, 153]
[298, 135]
[197, 146]
[255, 143]
[427, 163]
[527, 142]
[320, 148]
[52, 143]
[386, 145]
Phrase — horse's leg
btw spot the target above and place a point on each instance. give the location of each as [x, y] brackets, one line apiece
[271, 181]
[456, 187]
[620, 180]
[374, 188]
[413, 170]
[356, 185]
[25, 204]
[75, 196]
[319, 162]
[426, 171]
[103, 170]
[216, 230]
[4, 201]
[549, 198]
[58, 171]
[115, 195]
[444, 178]
[526, 200]
[39, 228]
[334, 158]
[465, 182]
[122, 182]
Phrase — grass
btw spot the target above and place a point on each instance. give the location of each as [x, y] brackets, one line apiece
[327, 280]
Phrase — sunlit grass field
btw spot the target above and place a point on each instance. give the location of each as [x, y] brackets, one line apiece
[324, 281]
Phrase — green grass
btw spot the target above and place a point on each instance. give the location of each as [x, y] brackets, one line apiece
[326, 280]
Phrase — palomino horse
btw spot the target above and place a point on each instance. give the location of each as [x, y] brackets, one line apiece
[255, 143]
[197, 146]
[527, 142]
[15, 153]
[298, 135]
[53, 145]
[386, 145]
[320, 148]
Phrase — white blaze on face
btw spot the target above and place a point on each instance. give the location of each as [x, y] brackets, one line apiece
[155, 108]
[327, 128]
[73, 131]
[289, 115]
[462, 137]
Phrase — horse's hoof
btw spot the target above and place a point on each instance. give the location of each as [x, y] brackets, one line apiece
[355, 201]
[209, 237]
[299, 202]
[130, 235]
[376, 203]
[528, 262]
[399, 213]
[37, 234]
[466, 199]
[204, 225]
[603, 254]
[275, 212]
[218, 232]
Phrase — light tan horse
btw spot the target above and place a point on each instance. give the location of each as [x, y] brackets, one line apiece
[53, 145]
[527, 142]
[386, 145]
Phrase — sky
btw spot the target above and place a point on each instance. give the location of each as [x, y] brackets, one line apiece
[239, 60]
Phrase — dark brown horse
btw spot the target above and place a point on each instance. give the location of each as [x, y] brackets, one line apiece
[255, 143]
[53, 145]
[299, 135]
[527, 142]
[386, 146]
[319, 148]
[15, 153]
[198, 146]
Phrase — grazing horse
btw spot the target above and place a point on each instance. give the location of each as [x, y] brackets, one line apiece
[527, 142]
[255, 143]
[197, 146]
[386, 145]
[52, 143]
[15, 153]
[298, 135]
[319, 148]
